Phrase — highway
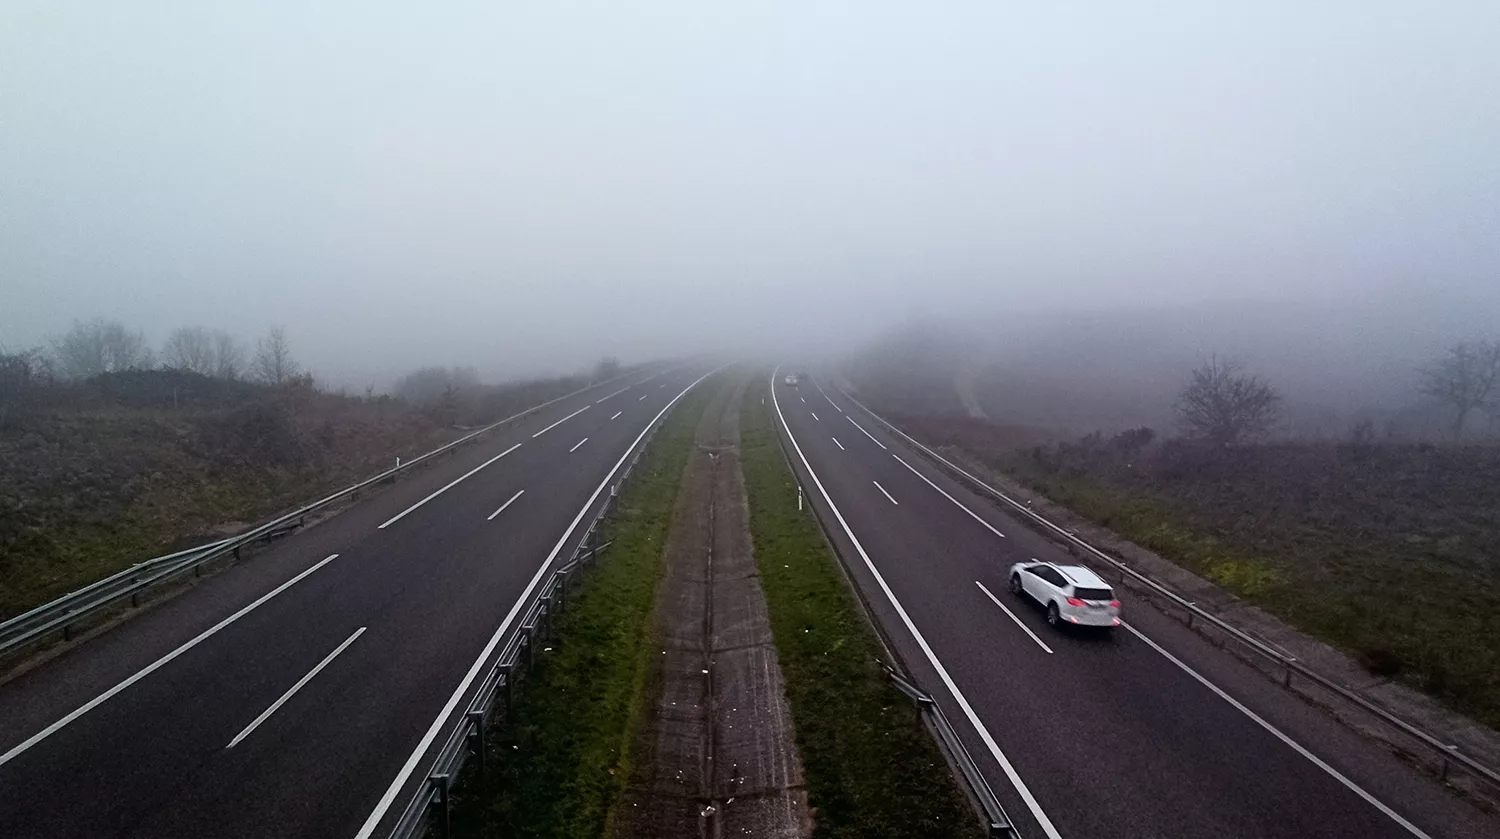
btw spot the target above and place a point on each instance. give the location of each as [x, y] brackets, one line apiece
[301, 692]
[1152, 732]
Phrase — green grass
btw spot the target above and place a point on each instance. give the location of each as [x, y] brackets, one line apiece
[872, 768]
[564, 756]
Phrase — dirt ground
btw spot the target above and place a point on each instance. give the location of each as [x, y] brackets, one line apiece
[716, 755]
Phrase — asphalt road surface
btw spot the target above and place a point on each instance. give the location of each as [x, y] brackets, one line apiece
[294, 694]
[1145, 732]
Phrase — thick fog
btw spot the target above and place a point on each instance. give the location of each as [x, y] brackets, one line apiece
[526, 187]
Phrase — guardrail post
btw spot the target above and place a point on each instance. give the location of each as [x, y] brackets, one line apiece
[562, 590]
[476, 736]
[526, 647]
[440, 802]
[506, 681]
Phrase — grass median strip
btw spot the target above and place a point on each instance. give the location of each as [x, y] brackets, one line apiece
[561, 760]
[872, 768]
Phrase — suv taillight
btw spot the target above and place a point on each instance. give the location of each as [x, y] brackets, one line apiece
[1114, 604]
[1073, 601]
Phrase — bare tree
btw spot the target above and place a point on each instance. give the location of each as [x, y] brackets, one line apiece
[212, 352]
[100, 346]
[228, 356]
[274, 364]
[189, 348]
[1465, 379]
[1223, 404]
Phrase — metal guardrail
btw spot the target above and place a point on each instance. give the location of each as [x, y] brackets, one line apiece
[997, 822]
[430, 807]
[61, 614]
[999, 826]
[23, 628]
[1447, 753]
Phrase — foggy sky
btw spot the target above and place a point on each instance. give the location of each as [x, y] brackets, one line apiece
[524, 187]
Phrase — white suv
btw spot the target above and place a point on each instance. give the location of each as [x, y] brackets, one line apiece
[1071, 593]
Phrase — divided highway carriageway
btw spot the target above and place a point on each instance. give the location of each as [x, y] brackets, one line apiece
[301, 693]
[1152, 732]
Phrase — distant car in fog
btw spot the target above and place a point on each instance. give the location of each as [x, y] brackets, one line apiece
[791, 379]
[1071, 594]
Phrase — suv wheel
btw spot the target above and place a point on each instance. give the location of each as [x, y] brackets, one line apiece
[1015, 584]
[1052, 616]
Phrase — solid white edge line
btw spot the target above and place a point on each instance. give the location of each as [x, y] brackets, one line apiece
[617, 415]
[612, 395]
[1024, 627]
[154, 666]
[266, 714]
[1276, 732]
[506, 504]
[401, 515]
[164, 660]
[560, 422]
[577, 444]
[886, 494]
[432, 732]
[866, 433]
[984, 734]
[1370, 799]
[960, 504]
[840, 445]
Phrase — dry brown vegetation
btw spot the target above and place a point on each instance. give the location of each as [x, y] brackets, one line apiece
[121, 467]
[1387, 551]
[1384, 548]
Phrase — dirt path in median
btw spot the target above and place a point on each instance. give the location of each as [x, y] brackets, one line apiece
[715, 756]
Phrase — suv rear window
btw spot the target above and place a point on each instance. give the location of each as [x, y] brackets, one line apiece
[1093, 593]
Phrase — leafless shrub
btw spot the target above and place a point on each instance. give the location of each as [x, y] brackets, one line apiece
[1224, 405]
[432, 385]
